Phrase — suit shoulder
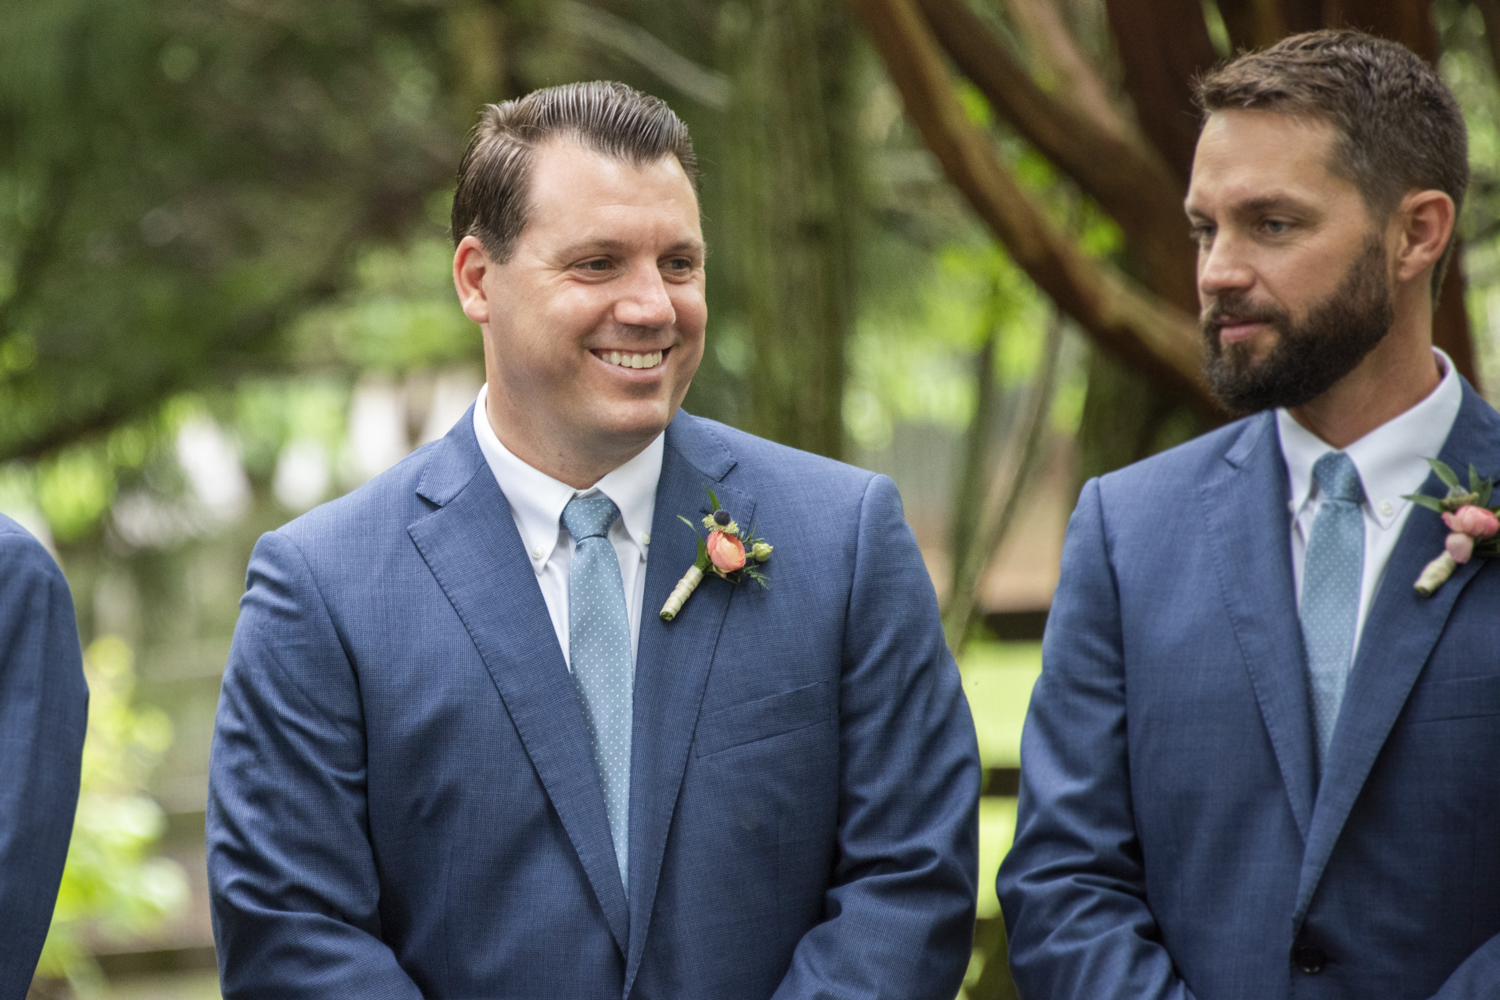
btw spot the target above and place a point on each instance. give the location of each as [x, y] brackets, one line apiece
[22, 553]
[1164, 476]
[766, 462]
[388, 502]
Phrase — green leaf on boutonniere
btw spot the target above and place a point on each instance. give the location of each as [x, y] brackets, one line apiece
[1422, 500]
[713, 499]
[1447, 475]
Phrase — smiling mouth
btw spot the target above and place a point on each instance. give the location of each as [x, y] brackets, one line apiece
[624, 359]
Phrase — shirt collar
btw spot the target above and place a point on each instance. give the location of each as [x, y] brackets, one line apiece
[538, 500]
[1391, 459]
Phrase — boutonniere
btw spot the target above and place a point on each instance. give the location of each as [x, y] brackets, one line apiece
[726, 552]
[1472, 524]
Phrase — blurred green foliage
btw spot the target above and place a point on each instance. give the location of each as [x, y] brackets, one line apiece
[183, 178]
[111, 885]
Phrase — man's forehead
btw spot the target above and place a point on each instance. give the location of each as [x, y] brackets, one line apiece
[1254, 158]
[562, 160]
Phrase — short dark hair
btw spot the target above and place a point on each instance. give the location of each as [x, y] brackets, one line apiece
[1399, 126]
[494, 176]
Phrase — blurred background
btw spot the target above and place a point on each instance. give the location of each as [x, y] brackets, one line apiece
[946, 244]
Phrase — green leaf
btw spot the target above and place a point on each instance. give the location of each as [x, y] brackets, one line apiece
[1447, 475]
[1473, 479]
[702, 554]
[1423, 500]
[1485, 489]
[690, 524]
[712, 499]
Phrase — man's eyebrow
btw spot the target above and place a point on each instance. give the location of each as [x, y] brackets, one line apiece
[1270, 203]
[1258, 205]
[607, 245]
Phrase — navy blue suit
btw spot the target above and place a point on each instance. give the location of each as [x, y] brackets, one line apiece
[1174, 837]
[403, 801]
[43, 715]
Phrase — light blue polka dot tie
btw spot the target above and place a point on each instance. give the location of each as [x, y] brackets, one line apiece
[599, 648]
[1331, 578]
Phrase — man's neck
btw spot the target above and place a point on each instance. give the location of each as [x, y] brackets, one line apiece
[1400, 373]
[565, 463]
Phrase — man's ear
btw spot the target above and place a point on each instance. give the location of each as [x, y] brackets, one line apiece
[470, 265]
[1426, 220]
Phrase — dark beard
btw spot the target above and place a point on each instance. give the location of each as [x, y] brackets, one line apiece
[1310, 356]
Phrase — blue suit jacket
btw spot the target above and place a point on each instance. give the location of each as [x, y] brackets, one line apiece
[43, 715]
[1174, 839]
[403, 801]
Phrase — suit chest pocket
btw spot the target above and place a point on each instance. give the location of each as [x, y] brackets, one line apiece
[1466, 698]
[751, 721]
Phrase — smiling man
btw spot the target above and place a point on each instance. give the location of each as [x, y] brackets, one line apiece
[1258, 763]
[460, 754]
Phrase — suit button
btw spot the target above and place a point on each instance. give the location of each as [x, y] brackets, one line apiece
[1309, 958]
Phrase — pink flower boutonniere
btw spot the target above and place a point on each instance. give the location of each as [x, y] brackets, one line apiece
[727, 553]
[1472, 525]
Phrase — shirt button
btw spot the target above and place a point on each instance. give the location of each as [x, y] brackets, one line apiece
[537, 552]
[1309, 958]
[1386, 508]
[645, 538]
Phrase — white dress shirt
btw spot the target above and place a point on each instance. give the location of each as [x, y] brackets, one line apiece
[537, 501]
[1391, 461]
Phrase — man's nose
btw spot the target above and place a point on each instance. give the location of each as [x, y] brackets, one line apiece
[1222, 267]
[644, 300]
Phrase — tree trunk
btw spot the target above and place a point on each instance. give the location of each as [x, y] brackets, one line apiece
[792, 192]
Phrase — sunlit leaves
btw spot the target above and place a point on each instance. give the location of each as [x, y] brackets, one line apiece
[110, 884]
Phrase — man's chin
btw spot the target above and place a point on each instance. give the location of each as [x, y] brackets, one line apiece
[633, 425]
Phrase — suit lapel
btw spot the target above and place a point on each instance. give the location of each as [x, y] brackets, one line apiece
[673, 658]
[1398, 637]
[474, 551]
[1246, 505]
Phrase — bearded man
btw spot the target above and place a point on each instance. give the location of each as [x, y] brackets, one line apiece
[1259, 763]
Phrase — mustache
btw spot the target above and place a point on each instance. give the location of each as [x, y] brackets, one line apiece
[1234, 305]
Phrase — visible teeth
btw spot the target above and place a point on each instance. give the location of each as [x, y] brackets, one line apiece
[634, 360]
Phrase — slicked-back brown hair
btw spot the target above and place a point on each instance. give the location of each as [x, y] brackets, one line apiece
[1399, 127]
[491, 201]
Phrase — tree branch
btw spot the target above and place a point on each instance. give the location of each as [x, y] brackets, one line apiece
[1253, 24]
[1163, 45]
[1050, 41]
[1006, 488]
[1150, 335]
[635, 43]
[1107, 157]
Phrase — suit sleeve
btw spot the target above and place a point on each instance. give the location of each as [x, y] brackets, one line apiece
[292, 877]
[900, 913]
[1073, 887]
[43, 717]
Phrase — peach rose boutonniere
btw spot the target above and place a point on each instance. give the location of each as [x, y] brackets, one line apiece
[726, 552]
[1473, 526]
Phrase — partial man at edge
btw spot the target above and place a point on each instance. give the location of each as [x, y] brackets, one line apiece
[43, 717]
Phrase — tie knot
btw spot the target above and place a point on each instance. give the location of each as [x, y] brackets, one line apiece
[588, 517]
[1338, 478]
